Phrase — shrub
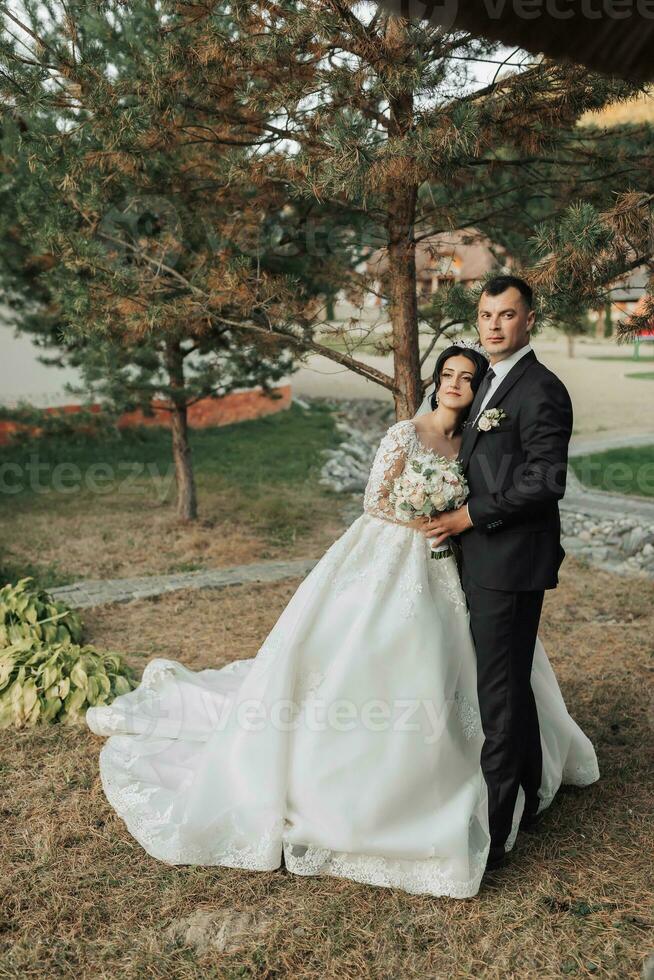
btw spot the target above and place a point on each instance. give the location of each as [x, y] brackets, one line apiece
[29, 612]
[46, 674]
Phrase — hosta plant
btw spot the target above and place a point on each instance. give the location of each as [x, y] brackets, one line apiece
[28, 612]
[41, 682]
[46, 674]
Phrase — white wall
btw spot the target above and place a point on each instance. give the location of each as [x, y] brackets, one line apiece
[22, 376]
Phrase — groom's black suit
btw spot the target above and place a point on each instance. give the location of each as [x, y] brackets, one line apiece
[516, 474]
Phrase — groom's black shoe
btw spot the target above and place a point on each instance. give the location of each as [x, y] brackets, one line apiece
[529, 822]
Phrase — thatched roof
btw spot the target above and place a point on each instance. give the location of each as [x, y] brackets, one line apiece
[616, 39]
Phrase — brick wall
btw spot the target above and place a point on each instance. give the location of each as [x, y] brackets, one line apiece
[236, 407]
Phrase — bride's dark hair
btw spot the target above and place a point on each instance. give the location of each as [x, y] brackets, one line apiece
[481, 367]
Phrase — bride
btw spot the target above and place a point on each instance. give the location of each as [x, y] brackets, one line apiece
[350, 745]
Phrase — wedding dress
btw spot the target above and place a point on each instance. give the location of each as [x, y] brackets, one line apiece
[350, 744]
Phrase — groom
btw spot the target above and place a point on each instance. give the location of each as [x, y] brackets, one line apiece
[515, 462]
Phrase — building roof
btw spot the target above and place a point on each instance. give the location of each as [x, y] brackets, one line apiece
[467, 253]
[614, 43]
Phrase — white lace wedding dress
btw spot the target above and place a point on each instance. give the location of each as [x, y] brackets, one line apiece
[374, 775]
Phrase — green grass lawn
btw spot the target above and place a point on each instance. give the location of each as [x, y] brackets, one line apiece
[79, 506]
[628, 470]
[645, 376]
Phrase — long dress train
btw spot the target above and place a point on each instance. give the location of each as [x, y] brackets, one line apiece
[350, 745]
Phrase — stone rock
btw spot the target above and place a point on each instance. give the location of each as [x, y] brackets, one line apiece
[637, 539]
[363, 422]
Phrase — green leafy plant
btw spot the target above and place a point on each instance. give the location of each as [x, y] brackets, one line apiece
[28, 612]
[42, 683]
[46, 674]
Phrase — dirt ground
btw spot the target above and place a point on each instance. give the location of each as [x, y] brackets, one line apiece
[79, 896]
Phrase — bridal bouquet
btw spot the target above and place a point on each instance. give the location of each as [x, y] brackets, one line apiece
[428, 486]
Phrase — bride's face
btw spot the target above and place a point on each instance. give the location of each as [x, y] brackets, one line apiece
[455, 389]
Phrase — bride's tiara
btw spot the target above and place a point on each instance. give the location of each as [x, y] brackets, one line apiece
[472, 345]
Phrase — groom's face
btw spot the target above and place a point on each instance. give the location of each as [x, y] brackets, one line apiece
[504, 323]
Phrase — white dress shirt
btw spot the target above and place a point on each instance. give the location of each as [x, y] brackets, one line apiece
[501, 369]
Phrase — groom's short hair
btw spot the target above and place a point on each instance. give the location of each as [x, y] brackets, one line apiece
[498, 284]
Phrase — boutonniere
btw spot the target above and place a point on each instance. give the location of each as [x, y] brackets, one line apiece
[490, 418]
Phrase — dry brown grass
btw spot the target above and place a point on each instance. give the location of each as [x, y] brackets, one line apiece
[80, 896]
[94, 539]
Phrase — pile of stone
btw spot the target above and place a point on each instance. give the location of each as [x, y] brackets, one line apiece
[362, 422]
[621, 544]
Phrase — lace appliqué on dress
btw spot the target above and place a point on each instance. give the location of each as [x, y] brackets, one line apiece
[418, 877]
[468, 715]
[307, 686]
[391, 455]
[445, 576]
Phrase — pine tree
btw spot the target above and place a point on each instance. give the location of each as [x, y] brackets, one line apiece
[386, 122]
[153, 251]
[329, 115]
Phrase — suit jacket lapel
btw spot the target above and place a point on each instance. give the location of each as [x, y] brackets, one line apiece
[471, 433]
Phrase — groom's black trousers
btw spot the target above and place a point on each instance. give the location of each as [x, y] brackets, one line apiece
[504, 627]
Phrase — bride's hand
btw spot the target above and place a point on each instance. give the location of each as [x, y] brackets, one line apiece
[420, 524]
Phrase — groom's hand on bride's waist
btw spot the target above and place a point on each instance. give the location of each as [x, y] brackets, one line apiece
[441, 526]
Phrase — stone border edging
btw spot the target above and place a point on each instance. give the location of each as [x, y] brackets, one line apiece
[83, 595]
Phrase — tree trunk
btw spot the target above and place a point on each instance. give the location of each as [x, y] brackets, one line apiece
[571, 345]
[403, 306]
[187, 506]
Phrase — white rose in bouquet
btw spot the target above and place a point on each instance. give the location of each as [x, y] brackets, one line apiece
[428, 486]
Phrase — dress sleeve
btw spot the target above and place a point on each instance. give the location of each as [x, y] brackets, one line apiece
[388, 463]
